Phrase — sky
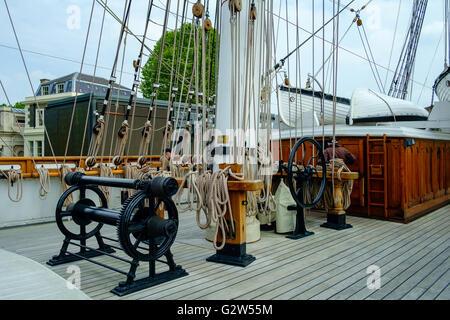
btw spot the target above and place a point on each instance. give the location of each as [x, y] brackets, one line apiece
[52, 34]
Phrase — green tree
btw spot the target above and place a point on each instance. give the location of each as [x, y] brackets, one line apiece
[149, 70]
[18, 105]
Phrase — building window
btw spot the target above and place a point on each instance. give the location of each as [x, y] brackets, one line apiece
[40, 117]
[39, 149]
[31, 148]
[20, 121]
[44, 90]
[60, 88]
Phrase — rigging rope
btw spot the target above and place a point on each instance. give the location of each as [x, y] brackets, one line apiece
[14, 176]
[30, 82]
[78, 82]
[44, 181]
[123, 133]
[89, 106]
[99, 128]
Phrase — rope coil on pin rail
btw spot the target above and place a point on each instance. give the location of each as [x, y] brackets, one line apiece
[219, 205]
[64, 170]
[106, 171]
[44, 181]
[14, 176]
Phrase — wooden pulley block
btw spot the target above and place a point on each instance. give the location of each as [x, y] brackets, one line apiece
[117, 161]
[198, 9]
[97, 128]
[90, 162]
[207, 24]
[122, 132]
[287, 83]
[253, 13]
[142, 160]
[135, 64]
[235, 5]
[359, 22]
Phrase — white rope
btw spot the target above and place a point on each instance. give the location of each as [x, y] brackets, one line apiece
[44, 181]
[14, 176]
[105, 171]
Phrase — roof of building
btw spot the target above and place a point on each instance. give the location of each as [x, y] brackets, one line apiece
[83, 77]
[80, 83]
[13, 110]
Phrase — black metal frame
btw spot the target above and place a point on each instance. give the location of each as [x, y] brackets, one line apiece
[300, 176]
[86, 253]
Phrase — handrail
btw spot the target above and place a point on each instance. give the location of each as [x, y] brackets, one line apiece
[27, 164]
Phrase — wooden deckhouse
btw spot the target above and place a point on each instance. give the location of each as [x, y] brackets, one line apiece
[405, 172]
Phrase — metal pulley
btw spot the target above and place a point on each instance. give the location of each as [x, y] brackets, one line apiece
[198, 9]
[146, 225]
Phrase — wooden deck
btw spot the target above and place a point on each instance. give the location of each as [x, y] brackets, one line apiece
[414, 262]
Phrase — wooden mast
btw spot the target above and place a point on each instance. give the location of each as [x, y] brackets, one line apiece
[230, 150]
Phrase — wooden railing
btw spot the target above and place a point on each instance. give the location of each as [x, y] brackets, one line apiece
[28, 164]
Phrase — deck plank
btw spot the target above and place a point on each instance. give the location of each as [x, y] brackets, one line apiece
[329, 265]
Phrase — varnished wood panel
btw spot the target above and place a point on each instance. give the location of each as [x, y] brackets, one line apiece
[418, 175]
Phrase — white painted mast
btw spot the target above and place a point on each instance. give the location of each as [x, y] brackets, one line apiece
[229, 112]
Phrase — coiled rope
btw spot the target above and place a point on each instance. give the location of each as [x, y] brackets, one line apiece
[44, 181]
[14, 176]
[64, 170]
[106, 171]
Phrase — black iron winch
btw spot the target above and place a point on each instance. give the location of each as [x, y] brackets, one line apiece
[146, 226]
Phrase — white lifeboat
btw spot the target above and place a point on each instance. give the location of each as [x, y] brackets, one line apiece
[296, 104]
[370, 106]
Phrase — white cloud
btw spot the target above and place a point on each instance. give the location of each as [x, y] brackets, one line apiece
[433, 29]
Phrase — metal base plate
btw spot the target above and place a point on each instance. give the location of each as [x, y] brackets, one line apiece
[124, 289]
[67, 258]
[241, 261]
[266, 227]
[299, 235]
[336, 222]
[336, 226]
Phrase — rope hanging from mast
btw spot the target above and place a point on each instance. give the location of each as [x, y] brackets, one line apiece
[99, 128]
[147, 132]
[123, 132]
